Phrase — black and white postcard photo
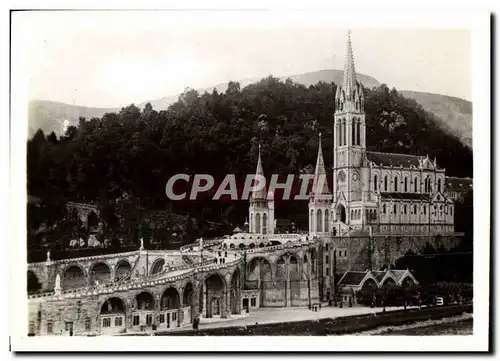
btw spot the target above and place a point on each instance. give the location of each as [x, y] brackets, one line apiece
[226, 177]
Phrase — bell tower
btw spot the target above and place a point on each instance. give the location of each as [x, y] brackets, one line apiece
[261, 210]
[349, 139]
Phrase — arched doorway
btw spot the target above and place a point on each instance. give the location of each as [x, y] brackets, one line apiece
[169, 308]
[214, 288]
[216, 308]
[157, 266]
[259, 276]
[170, 299]
[111, 316]
[341, 213]
[100, 274]
[33, 284]
[144, 301]
[73, 277]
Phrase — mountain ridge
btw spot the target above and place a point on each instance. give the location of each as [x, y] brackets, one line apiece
[454, 114]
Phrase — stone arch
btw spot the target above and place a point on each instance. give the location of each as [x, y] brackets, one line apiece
[281, 268]
[144, 300]
[259, 269]
[157, 266]
[122, 268]
[33, 283]
[100, 272]
[293, 268]
[215, 289]
[73, 276]
[170, 299]
[113, 304]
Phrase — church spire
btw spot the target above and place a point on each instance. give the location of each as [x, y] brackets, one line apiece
[349, 84]
[320, 183]
[259, 193]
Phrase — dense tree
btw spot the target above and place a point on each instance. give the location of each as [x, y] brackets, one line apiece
[136, 152]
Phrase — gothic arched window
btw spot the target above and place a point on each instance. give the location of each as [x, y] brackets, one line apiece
[395, 184]
[344, 133]
[353, 134]
[385, 183]
[319, 222]
[439, 185]
[383, 208]
[358, 132]
[327, 221]
[375, 183]
[406, 184]
[416, 184]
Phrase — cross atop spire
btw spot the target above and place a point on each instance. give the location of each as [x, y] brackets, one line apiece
[349, 81]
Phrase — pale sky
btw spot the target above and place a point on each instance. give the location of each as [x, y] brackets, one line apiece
[112, 59]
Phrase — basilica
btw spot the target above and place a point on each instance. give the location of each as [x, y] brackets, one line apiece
[373, 192]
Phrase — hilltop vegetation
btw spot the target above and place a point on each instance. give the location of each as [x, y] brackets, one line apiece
[136, 151]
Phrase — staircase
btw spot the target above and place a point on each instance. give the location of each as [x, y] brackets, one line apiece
[343, 229]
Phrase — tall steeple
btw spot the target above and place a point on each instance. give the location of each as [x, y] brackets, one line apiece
[349, 83]
[320, 199]
[320, 175]
[259, 194]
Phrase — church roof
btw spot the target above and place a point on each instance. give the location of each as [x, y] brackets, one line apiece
[458, 184]
[320, 179]
[259, 193]
[405, 196]
[352, 278]
[394, 159]
[349, 83]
